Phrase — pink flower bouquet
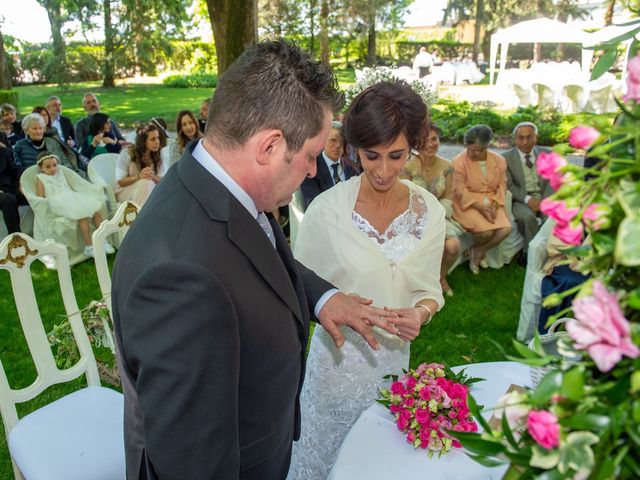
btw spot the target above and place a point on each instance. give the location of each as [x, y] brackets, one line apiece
[427, 403]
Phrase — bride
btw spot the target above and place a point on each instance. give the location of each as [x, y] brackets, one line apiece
[383, 238]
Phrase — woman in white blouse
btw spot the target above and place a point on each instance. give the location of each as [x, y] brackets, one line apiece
[383, 238]
[139, 167]
[187, 129]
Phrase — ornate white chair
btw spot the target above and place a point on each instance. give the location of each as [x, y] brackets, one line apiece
[49, 225]
[102, 172]
[119, 225]
[79, 436]
[531, 302]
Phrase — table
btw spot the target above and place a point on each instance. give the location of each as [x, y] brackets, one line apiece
[375, 448]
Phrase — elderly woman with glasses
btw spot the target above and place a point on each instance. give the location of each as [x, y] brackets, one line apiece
[27, 150]
[139, 167]
[479, 188]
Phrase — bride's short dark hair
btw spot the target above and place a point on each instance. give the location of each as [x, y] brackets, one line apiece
[384, 111]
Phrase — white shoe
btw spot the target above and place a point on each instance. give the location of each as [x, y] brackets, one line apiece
[88, 250]
[108, 248]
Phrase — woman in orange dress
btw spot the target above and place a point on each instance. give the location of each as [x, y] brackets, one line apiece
[479, 187]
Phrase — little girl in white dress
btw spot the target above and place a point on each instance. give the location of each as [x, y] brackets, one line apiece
[66, 202]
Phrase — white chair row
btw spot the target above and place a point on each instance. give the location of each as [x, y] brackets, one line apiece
[79, 436]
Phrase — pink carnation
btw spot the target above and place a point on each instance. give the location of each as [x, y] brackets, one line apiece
[544, 428]
[558, 210]
[601, 328]
[422, 415]
[633, 80]
[583, 137]
[549, 165]
[568, 233]
[411, 383]
[402, 423]
[397, 388]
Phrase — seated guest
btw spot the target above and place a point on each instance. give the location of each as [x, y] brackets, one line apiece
[526, 186]
[187, 129]
[49, 131]
[27, 150]
[10, 195]
[62, 124]
[204, 114]
[331, 165]
[91, 106]
[427, 169]
[139, 168]
[162, 126]
[479, 188]
[98, 140]
[8, 114]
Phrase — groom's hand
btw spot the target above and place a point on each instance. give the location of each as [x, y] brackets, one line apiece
[358, 314]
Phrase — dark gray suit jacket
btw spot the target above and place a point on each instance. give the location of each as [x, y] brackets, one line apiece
[515, 174]
[211, 327]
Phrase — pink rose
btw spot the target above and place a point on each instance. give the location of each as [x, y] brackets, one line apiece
[583, 137]
[544, 428]
[568, 233]
[408, 402]
[411, 436]
[402, 423]
[633, 80]
[424, 393]
[596, 216]
[601, 328]
[422, 415]
[397, 388]
[549, 164]
[425, 436]
[557, 210]
[411, 382]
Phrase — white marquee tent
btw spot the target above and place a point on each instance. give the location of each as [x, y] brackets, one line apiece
[541, 30]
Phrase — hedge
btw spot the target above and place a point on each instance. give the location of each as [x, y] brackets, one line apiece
[209, 80]
[9, 96]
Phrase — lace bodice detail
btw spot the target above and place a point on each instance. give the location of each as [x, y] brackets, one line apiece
[54, 184]
[402, 234]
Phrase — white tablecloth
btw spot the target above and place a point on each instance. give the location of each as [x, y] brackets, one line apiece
[376, 449]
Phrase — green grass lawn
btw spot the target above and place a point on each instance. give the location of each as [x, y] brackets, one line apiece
[129, 104]
[484, 308]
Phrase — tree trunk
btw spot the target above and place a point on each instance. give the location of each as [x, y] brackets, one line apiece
[324, 31]
[108, 79]
[56, 21]
[477, 29]
[608, 15]
[5, 74]
[371, 35]
[235, 27]
[312, 25]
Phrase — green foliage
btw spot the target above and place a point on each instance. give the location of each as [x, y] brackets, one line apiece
[9, 96]
[455, 118]
[188, 81]
[407, 49]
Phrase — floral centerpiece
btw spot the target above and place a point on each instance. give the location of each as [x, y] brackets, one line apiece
[583, 419]
[427, 403]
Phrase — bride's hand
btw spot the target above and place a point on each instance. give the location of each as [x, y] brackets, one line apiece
[408, 322]
[358, 314]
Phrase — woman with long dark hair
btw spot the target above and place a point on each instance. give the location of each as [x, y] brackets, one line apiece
[139, 168]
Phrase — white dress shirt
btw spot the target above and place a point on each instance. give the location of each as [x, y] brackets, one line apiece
[330, 162]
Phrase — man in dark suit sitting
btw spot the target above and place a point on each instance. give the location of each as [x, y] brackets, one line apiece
[62, 124]
[526, 186]
[331, 165]
[211, 310]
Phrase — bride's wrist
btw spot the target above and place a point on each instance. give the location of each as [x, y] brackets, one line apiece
[426, 311]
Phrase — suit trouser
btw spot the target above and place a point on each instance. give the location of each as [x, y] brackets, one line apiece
[527, 222]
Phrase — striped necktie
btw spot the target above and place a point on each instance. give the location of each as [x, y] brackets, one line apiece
[266, 226]
[336, 177]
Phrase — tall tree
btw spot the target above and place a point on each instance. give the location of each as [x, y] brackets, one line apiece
[108, 68]
[5, 74]
[608, 15]
[324, 31]
[477, 29]
[58, 15]
[235, 26]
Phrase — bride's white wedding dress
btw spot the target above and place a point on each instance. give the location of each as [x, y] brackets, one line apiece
[395, 268]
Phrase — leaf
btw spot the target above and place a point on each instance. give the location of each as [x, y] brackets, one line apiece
[534, 362]
[486, 461]
[474, 443]
[629, 197]
[475, 411]
[635, 381]
[576, 452]
[604, 63]
[549, 385]
[537, 345]
[523, 350]
[627, 250]
[573, 384]
[543, 458]
[634, 299]
[586, 421]
[603, 243]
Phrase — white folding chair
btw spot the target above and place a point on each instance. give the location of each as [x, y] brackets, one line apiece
[547, 96]
[531, 302]
[119, 224]
[79, 436]
[524, 93]
[102, 171]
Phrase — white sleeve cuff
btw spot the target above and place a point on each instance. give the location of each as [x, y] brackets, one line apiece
[527, 198]
[324, 299]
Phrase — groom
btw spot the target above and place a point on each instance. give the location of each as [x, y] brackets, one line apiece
[211, 311]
